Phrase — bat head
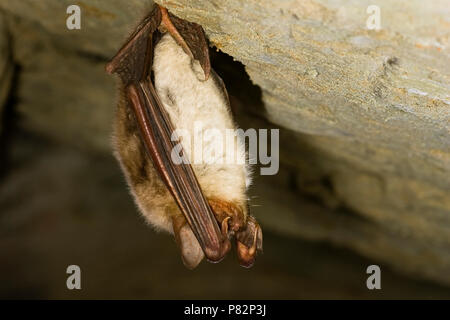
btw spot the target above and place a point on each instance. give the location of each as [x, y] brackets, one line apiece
[234, 211]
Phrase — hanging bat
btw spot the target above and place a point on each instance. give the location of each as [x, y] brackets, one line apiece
[167, 85]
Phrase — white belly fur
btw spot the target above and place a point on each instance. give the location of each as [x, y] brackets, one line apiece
[189, 100]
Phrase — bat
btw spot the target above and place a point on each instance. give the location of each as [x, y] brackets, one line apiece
[168, 85]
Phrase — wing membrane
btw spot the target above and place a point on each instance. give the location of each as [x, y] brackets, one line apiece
[156, 130]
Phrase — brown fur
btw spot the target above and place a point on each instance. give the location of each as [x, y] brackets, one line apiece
[150, 193]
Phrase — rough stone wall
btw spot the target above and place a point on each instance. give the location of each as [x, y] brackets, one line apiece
[364, 113]
[375, 104]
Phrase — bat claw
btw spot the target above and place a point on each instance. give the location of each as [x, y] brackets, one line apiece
[189, 36]
[168, 25]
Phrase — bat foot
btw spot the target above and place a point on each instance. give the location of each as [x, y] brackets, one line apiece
[167, 25]
[189, 36]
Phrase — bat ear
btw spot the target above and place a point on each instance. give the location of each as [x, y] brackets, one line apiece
[249, 242]
[191, 252]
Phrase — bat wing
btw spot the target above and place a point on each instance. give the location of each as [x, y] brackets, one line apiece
[133, 64]
[180, 179]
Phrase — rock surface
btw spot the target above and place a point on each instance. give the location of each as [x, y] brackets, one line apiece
[365, 141]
